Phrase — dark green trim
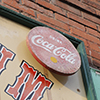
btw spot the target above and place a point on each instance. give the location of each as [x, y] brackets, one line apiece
[85, 69]
[86, 74]
[96, 81]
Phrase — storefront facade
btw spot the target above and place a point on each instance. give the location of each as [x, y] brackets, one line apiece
[14, 29]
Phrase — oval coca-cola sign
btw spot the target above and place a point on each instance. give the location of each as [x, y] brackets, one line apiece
[53, 50]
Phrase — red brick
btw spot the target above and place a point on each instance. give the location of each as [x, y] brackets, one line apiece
[93, 39]
[12, 3]
[95, 54]
[30, 4]
[16, 5]
[70, 22]
[83, 6]
[51, 6]
[81, 20]
[30, 11]
[92, 10]
[89, 9]
[62, 30]
[47, 0]
[46, 23]
[94, 46]
[97, 12]
[55, 27]
[84, 40]
[91, 18]
[93, 4]
[7, 6]
[77, 32]
[95, 1]
[67, 7]
[76, 2]
[93, 32]
[85, 35]
[96, 62]
[37, 7]
[53, 21]
[98, 0]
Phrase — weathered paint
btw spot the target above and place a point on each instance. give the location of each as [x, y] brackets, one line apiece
[96, 81]
[13, 37]
[53, 50]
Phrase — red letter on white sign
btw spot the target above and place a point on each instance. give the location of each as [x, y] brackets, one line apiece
[5, 56]
[29, 85]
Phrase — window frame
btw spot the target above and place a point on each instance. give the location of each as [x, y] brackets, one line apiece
[85, 69]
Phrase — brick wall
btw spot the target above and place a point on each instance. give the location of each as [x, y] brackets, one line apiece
[78, 18]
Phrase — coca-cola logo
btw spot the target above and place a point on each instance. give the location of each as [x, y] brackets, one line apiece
[62, 52]
[53, 50]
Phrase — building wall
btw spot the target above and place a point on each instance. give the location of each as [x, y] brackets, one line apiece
[21, 72]
[78, 18]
